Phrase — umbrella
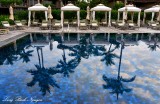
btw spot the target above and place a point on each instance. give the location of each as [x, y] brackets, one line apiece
[11, 13]
[88, 13]
[50, 14]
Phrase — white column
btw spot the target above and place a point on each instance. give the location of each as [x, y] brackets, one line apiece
[144, 17]
[152, 16]
[78, 17]
[109, 20]
[106, 16]
[62, 19]
[139, 18]
[132, 16]
[123, 16]
[29, 18]
[118, 16]
[94, 15]
[33, 15]
[46, 16]
[153, 13]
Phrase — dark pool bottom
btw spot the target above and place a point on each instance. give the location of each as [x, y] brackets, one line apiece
[97, 69]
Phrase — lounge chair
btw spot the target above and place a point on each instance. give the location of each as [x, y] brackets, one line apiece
[113, 23]
[94, 24]
[122, 25]
[74, 22]
[57, 24]
[104, 22]
[4, 31]
[7, 25]
[65, 22]
[132, 25]
[83, 25]
[24, 22]
[35, 23]
[155, 26]
[19, 25]
[44, 25]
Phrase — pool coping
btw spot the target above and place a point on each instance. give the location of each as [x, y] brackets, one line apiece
[21, 33]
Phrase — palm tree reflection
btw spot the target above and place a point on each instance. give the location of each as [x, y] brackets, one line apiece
[109, 55]
[154, 46]
[85, 49]
[8, 55]
[43, 75]
[115, 84]
[67, 67]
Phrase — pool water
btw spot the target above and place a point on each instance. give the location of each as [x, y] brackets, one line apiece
[81, 69]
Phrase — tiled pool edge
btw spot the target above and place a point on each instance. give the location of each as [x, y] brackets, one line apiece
[12, 39]
[16, 35]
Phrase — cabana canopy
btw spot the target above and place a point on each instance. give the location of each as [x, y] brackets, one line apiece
[129, 8]
[153, 9]
[36, 7]
[70, 7]
[101, 7]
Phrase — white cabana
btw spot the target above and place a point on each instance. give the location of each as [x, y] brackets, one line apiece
[101, 7]
[132, 9]
[70, 7]
[36, 7]
[153, 10]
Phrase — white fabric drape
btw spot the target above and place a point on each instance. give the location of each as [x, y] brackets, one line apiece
[109, 20]
[46, 16]
[62, 18]
[118, 16]
[153, 13]
[29, 18]
[139, 16]
[94, 13]
[144, 17]
[106, 17]
[78, 15]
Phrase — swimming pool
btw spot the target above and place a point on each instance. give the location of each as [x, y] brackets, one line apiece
[81, 69]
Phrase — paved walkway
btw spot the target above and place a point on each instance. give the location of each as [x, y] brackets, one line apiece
[14, 35]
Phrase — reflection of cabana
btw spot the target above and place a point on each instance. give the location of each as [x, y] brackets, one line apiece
[70, 7]
[104, 8]
[132, 9]
[36, 7]
[153, 10]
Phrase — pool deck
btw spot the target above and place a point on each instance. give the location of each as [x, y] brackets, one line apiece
[14, 35]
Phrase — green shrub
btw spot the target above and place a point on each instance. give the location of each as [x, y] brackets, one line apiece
[83, 14]
[5, 18]
[94, 3]
[114, 14]
[83, 5]
[21, 15]
[56, 14]
[118, 5]
[10, 2]
[47, 4]
[70, 15]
